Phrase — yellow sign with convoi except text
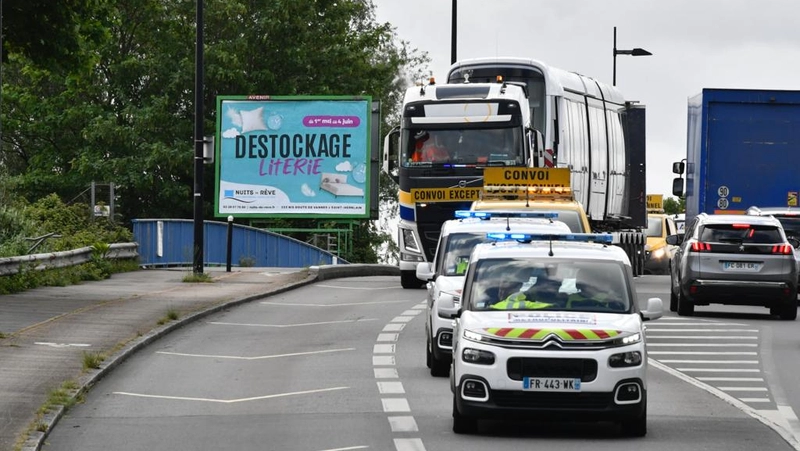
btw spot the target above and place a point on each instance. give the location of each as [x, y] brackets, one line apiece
[520, 177]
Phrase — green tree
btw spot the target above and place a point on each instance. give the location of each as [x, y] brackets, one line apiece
[674, 205]
[129, 119]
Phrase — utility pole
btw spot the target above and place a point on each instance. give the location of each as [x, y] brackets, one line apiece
[198, 145]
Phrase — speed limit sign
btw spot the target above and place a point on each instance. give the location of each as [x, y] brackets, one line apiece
[722, 203]
[723, 191]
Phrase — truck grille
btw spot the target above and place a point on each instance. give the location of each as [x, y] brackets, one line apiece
[520, 367]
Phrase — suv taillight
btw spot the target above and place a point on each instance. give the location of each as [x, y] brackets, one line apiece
[697, 246]
[783, 249]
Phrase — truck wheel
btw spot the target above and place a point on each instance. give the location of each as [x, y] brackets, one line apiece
[684, 307]
[462, 424]
[408, 279]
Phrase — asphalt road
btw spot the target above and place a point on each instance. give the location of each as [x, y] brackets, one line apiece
[340, 365]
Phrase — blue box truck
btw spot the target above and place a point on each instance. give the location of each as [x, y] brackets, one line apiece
[742, 150]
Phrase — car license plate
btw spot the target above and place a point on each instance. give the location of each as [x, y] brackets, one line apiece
[741, 266]
[551, 384]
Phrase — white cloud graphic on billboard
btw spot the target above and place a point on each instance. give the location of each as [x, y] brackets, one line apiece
[344, 166]
[307, 191]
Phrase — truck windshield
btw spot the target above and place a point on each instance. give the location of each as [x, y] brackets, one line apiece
[465, 147]
[534, 284]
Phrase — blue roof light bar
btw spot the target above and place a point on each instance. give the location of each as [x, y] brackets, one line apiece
[604, 238]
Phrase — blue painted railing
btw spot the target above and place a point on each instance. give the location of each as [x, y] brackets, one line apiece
[170, 242]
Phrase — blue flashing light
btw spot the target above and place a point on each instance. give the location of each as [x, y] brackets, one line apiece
[486, 214]
[463, 214]
[604, 238]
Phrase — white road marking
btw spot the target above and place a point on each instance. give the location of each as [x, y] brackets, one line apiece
[412, 312]
[754, 362]
[383, 349]
[755, 400]
[702, 337]
[402, 319]
[720, 370]
[388, 337]
[354, 288]
[666, 323]
[700, 352]
[788, 413]
[409, 444]
[62, 345]
[346, 449]
[730, 379]
[386, 373]
[287, 304]
[755, 331]
[743, 388]
[394, 327]
[383, 360]
[395, 405]
[403, 424]
[705, 345]
[262, 357]
[231, 401]
[420, 306]
[391, 388]
[322, 323]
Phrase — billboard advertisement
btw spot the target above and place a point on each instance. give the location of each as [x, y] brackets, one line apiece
[301, 157]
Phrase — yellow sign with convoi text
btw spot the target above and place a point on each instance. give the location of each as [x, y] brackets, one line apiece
[514, 177]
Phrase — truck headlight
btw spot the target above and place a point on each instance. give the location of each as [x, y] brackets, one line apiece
[625, 359]
[409, 241]
[477, 356]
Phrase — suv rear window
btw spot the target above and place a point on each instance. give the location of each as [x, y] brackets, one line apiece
[740, 234]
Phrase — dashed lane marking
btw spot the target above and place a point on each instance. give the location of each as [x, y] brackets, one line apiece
[408, 444]
[346, 449]
[386, 373]
[403, 424]
[262, 357]
[395, 405]
[699, 352]
[391, 388]
[231, 401]
[753, 362]
[383, 360]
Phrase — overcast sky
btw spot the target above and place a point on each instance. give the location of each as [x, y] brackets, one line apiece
[696, 44]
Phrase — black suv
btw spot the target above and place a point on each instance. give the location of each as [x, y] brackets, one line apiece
[734, 260]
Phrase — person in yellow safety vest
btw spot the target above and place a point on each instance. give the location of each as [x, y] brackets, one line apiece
[588, 294]
[518, 301]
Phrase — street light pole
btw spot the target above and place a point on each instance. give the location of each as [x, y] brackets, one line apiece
[199, 141]
[633, 52]
[453, 34]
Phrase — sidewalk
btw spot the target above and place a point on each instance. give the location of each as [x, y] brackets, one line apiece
[46, 331]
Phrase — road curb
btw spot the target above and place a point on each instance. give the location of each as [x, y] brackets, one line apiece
[36, 439]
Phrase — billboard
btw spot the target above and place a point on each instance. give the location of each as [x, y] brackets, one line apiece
[300, 157]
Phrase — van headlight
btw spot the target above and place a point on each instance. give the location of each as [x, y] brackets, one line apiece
[477, 356]
[472, 336]
[625, 359]
[628, 340]
[658, 254]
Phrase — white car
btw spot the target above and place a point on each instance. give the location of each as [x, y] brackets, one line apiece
[445, 275]
[550, 328]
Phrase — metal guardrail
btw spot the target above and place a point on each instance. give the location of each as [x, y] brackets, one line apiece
[50, 260]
